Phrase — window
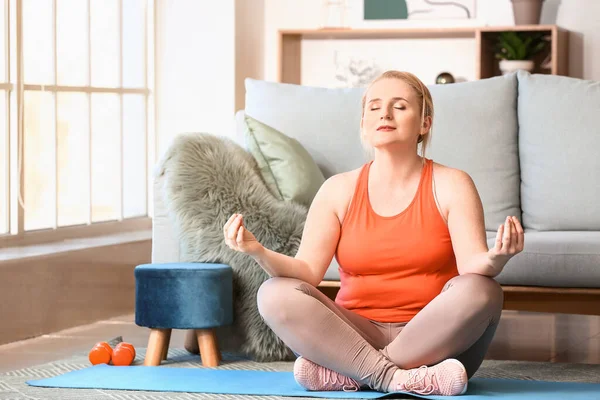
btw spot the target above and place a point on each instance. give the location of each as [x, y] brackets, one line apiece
[75, 126]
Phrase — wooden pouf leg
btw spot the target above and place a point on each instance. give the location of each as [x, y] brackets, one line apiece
[209, 351]
[157, 344]
[166, 346]
[218, 351]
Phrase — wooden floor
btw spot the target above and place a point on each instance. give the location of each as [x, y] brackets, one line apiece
[520, 336]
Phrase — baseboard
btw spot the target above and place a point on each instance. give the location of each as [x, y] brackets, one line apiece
[45, 294]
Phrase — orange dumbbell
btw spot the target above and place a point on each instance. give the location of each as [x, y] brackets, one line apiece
[124, 354]
[101, 353]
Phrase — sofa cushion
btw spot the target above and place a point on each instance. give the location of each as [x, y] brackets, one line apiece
[559, 138]
[325, 121]
[475, 130]
[238, 134]
[165, 243]
[555, 259]
[286, 167]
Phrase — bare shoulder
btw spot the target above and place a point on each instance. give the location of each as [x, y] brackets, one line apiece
[449, 176]
[343, 179]
[337, 191]
[450, 184]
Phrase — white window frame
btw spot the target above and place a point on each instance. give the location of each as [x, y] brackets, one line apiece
[15, 89]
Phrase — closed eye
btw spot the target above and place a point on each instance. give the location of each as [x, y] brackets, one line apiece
[397, 108]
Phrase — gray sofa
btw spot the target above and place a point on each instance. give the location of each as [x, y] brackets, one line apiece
[531, 143]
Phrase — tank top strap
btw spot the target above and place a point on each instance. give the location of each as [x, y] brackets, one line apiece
[426, 194]
[357, 202]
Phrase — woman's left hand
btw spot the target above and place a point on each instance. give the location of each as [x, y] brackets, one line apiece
[509, 240]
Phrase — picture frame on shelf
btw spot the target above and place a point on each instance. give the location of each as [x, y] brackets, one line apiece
[377, 10]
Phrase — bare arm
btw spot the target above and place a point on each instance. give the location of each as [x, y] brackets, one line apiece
[319, 240]
[467, 231]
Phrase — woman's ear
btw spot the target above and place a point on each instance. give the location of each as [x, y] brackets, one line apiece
[426, 124]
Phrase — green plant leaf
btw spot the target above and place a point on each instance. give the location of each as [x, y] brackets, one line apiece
[507, 45]
[522, 53]
[519, 45]
[512, 52]
[513, 39]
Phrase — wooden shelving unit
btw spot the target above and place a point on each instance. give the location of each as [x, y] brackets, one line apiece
[290, 49]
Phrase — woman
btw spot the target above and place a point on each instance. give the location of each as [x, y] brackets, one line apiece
[417, 308]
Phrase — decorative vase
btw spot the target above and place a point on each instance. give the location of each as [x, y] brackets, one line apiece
[527, 12]
[334, 14]
[508, 66]
[444, 78]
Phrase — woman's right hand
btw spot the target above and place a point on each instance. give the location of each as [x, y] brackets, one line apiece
[238, 238]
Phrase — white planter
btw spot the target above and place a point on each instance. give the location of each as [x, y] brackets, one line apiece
[508, 66]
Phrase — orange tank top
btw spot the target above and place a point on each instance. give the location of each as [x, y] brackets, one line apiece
[391, 267]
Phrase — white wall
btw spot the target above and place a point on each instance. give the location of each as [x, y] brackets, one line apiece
[205, 50]
[429, 57]
[195, 67]
[582, 18]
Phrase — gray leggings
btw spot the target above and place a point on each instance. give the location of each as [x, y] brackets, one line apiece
[458, 323]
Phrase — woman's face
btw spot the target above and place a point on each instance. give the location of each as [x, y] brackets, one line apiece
[392, 114]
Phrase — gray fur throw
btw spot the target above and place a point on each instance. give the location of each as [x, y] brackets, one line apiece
[205, 179]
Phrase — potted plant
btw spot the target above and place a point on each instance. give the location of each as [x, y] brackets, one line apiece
[515, 50]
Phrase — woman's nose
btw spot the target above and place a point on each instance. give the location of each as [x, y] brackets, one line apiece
[385, 114]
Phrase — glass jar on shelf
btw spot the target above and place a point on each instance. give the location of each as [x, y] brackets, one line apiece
[334, 14]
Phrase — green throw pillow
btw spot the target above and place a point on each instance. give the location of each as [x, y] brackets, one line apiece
[288, 169]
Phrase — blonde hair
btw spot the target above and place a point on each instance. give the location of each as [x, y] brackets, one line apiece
[423, 96]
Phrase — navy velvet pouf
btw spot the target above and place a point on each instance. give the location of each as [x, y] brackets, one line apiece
[183, 295]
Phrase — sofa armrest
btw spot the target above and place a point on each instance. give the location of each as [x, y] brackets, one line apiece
[165, 246]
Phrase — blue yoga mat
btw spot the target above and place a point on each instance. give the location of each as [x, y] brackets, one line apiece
[168, 379]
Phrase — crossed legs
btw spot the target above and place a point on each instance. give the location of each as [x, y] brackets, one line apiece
[459, 323]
